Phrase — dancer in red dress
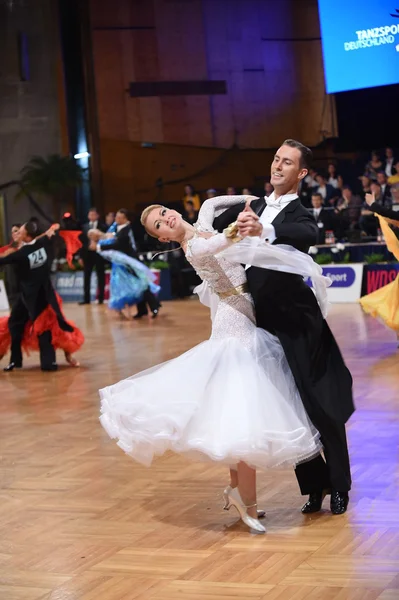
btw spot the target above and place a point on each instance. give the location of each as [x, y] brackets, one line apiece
[36, 322]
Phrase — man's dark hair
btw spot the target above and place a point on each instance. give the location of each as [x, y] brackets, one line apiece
[16, 225]
[32, 229]
[124, 211]
[93, 209]
[306, 153]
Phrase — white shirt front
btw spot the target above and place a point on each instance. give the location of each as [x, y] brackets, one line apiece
[316, 212]
[93, 224]
[274, 205]
[388, 167]
[119, 227]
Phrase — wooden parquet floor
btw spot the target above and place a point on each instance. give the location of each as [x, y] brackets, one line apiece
[79, 520]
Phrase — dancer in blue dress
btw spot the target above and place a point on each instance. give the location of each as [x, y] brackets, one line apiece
[130, 278]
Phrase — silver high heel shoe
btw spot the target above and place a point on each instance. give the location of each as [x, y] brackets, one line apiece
[261, 513]
[233, 498]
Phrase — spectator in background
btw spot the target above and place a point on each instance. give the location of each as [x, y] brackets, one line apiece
[269, 189]
[310, 179]
[373, 166]
[366, 183]
[347, 213]
[395, 197]
[341, 183]
[352, 203]
[109, 219]
[190, 214]
[91, 259]
[368, 222]
[389, 162]
[385, 189]
[231, 191]
[332, 175]
[327, 191]
[211, 193]
[323, 216]
[191, 195]
[394, 178]
[246, 192]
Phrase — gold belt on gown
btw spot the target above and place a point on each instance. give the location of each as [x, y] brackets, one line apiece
[237, 291]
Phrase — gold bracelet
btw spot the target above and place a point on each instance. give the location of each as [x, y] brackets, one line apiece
[231, 232]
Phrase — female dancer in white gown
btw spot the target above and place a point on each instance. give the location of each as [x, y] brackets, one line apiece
[231, 399]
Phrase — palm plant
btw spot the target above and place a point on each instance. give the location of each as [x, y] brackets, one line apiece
[53, 177]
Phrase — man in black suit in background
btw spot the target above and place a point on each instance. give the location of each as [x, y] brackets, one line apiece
[322, 216]
[92, 259]
[124, 242]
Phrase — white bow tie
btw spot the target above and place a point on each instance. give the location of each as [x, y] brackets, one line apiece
[276, 203]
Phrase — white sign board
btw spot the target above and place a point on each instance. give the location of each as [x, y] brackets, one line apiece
[346, 282]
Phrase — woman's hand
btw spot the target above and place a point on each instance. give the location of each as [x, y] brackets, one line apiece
[52, 230]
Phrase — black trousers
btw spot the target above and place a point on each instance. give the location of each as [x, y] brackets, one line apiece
[324, 383]
[16, 324]
[148, 299]
[334, 472]
[91, 260]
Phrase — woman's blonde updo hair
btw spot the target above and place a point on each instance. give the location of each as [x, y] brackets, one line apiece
[144, 216]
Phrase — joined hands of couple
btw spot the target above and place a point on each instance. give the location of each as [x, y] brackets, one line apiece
[248, 224]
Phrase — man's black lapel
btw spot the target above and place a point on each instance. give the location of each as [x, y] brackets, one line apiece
[291, 206]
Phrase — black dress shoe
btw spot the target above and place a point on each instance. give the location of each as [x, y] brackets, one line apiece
[82, 303]
[314, 503]
[339, 502]
[155, 313]
[12, 366]
[140, 316]
[53, 367]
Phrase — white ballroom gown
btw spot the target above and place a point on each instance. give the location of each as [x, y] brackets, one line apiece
[231, 398]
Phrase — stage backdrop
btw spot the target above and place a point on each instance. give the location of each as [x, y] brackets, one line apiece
[202, 75]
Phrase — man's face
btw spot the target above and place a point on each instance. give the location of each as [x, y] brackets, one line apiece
[388, 153]
[120, 218]
[347, 194]
[286, 171]
[381, 178]
[92, 216]
[317, 201]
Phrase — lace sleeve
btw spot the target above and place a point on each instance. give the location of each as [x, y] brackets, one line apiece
[213, 207]
[199, 246]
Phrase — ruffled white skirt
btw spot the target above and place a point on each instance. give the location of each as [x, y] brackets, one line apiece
[219, 401]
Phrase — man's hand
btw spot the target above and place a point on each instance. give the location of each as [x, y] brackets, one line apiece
[248, 222]
[370, 199]
[93, 245]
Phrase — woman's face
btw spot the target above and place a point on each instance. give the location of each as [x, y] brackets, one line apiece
[166, 225]
[15, 234]
[331, 169]
[365, 181]
[188, 190]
